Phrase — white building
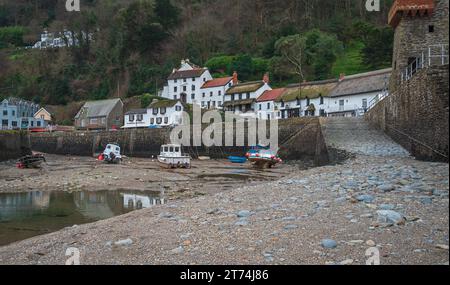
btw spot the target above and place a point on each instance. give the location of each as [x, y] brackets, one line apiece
[306, 99]
[353, 94]
[266, 106]
[162, 113]
[241, 98]
[212, 93]
[185, 83]
[59, 40]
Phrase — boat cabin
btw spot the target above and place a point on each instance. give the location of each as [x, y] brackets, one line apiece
[171, 150]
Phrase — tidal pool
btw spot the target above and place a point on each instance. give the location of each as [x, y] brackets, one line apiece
[24, 215]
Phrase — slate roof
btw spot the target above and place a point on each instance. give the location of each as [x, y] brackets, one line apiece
[245, 87]
[100, 108]
[136, 112]
[196, 72]
[363, 83]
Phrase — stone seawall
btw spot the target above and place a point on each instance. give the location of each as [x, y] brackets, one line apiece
[300, 138]
[13, 145]
[416, 115]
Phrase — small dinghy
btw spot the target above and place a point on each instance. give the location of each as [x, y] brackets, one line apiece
[30, 161]
[237, 159]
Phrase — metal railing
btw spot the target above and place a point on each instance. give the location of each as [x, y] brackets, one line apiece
[378, 98]
[435, 55]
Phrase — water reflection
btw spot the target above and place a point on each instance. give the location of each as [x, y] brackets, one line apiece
[23, 215]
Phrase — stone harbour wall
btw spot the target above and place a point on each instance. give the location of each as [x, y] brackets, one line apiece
[299, 138]
[13, 145]
[416, 115]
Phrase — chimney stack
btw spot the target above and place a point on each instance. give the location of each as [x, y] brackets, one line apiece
[266, 78]
[235, 78]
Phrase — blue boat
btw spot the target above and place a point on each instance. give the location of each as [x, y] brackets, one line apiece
[237, 159]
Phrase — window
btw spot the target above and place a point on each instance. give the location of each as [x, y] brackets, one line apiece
[192, 96]
[282, 104]
[193, 88]
[184, 80]
[13, 113]
[166, 120]
[155, 111]
[94, 121]
[431, 29]
[140, 117]
[4, 123]
[163, 110]
[5, 112]
[308, 101]
[159, 121]
[42, 117]
[248, 95]
[131, 118]
[321, 100]
[175, 89]
[184, 88]
[240, 96]
[166, 149]
[175, 97]
[193, 79]
[211, 94]
[203, 103]
[32, 123]
[299, 102]
[178, 108]
[14, 123]
[38, 123]
[152, 121]
[203, 95]
[214, 104]
[177, 149]
[260, 107]
[232, 97]
[268, 105]
[175, 80]
[220, 103]
[204, 79]
[220, 93]
[171, 149]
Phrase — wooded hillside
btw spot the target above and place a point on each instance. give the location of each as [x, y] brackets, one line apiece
[136, 43]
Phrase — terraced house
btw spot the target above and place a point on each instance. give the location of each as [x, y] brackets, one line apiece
[241, 98]
[17, 113]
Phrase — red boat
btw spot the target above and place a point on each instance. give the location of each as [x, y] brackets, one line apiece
[263, 157]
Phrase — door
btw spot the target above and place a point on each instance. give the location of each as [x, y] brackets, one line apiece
[341, 105]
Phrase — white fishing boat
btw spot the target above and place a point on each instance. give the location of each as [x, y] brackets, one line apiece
[171, 157]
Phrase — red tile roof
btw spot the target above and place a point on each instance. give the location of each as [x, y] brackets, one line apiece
[271, 95]
[217, 82]
[409, 7]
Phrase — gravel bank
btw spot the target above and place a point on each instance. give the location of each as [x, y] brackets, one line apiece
[396, 204]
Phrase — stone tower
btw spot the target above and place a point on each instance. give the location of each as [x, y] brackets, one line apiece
[418, 25]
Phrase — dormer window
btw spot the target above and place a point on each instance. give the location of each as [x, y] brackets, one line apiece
[163, 110]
